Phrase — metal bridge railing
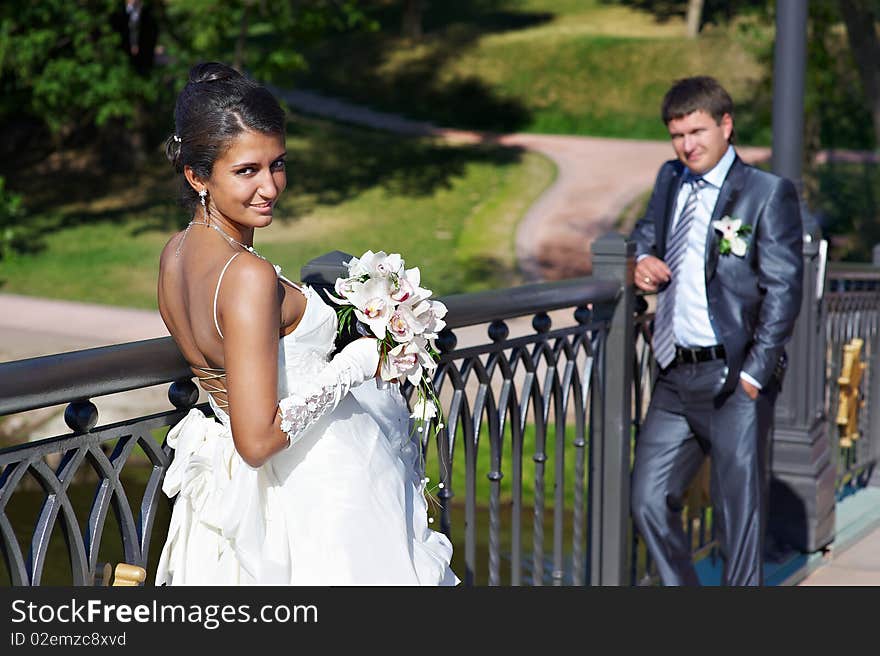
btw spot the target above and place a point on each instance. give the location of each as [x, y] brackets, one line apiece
[520, 457]
[535, 457]
[853, 324]
[99, 458]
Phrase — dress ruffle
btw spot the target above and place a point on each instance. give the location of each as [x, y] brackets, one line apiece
[233, 524]
[227, 513]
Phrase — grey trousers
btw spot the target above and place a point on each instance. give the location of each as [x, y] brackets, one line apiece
[689, 418]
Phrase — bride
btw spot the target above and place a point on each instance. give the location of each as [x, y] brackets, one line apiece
[306, 474]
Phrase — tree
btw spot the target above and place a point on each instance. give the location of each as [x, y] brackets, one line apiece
[694, 18]
[860, 17]
[63, 61]
[85, 69]
[263, 38]
[411, 22]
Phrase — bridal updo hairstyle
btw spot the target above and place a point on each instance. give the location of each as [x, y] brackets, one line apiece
[217, 104]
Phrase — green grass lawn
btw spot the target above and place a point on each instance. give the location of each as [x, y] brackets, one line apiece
[554, 448]
[451, 210]
[562, 66]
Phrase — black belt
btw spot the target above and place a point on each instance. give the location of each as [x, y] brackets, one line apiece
[687, 355]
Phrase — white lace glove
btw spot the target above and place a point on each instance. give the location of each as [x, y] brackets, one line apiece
[353, 365]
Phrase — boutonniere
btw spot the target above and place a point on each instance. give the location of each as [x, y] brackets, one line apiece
[733, 236]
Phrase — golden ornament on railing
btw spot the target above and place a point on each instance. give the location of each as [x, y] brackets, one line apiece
[129, 575]
[849, 398]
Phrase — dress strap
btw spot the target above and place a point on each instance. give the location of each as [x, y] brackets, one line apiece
[297, 287]
[217, 293]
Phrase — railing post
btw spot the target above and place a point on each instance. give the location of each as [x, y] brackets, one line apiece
[323, 270]
[613, 259]
[804, 464]
[871, 432]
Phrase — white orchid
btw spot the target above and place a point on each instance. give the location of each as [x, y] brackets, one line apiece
[402, 290]
[727, 226]
[388, 265]
[407, 361]
[357, 267]
[345, 288]
[423, 409]
[404, 325]
[738, 246]
[413, 278]
[373, 305]
[375, 265]
[732, 236]
[430, 314]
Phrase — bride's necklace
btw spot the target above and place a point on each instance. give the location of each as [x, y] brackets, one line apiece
[233, 242]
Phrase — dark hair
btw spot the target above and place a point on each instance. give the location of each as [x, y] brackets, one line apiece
[692, 93]
[216, 105]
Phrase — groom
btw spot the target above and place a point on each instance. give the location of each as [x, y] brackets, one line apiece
[721, 244]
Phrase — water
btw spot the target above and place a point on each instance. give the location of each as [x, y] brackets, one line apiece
[25, 505]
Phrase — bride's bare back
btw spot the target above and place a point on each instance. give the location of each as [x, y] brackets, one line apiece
[226, 309]
[195, 267]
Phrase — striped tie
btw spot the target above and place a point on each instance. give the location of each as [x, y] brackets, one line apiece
[664, 339]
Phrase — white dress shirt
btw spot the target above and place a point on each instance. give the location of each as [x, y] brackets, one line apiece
[690, 323]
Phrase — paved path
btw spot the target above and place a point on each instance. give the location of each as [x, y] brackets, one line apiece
[30, 327]
[858, 565]
[596, 179]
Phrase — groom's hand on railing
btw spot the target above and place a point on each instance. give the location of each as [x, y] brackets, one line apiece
[651, 273]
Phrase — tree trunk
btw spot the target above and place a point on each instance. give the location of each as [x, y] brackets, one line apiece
[411, 25]
[238, 61]
[694, 18]
[862, 34]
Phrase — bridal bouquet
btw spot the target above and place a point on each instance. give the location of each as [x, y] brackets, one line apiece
[386, 298]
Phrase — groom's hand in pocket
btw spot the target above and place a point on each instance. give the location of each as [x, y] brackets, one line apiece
[750, 390]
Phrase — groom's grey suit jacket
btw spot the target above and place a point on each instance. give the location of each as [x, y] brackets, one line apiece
[753, 300]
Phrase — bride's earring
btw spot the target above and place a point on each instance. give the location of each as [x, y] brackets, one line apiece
[202, 196]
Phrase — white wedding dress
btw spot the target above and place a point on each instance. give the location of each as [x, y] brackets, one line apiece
[342, 506]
